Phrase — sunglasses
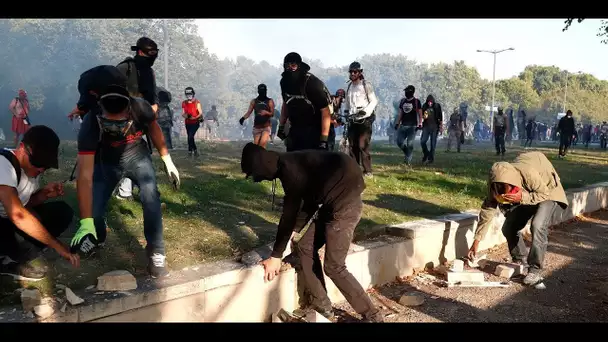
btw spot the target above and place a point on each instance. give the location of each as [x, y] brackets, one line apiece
[35, 163]
[151, 52]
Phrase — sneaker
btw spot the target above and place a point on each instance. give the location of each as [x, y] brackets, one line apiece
[368, 175]
[533, 277]
[189, 153]
[302, 312]
[157, 266]
[124, 198]
[196, 153]
[18, 271]
[376, 317]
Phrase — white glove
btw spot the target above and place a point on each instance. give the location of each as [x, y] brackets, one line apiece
[171, 171]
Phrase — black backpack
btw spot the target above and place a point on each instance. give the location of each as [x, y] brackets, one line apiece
[13, 159]
[301, 104]
[128, 68]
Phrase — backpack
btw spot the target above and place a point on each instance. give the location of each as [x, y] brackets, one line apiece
[455, 121]
[13, 159]
[126, 67]
[300, 103]
[164, 114]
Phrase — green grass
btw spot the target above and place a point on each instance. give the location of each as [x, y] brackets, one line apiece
[218, 214]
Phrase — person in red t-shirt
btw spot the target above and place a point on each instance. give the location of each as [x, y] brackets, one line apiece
[192, 112]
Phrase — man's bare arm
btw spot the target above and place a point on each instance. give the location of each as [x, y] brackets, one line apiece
[249, 111]
[325, 121]
[283, 117]
[157, 137]
[84, 184]
[25, 221]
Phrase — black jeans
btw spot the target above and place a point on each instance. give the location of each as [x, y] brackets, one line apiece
[167, 134]
[499, 140]
[303, 138]
[360, 136]
[564, 143]
[191, 131]
[335, 231]
[140, 169]
[54, 216]
[428, 133]
[515, 221]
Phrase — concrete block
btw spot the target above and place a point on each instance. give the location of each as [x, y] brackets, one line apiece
[411, 299]
[315, 317]
[472, 276]
[458, 266]
[30, 299]
[119, 280]
[504, 271]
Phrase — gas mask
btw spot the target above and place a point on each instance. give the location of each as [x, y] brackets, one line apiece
[189, 97]
[114, 128]
[114, 104]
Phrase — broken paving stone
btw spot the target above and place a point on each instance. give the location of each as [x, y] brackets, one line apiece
[30, 298]
[472, 276]
[64, 307]
[504, 271]
[72, 298]
[90, 287]
[60, 286]
[458, 266]
[119, 280]
[434, 297]
[411, 299]
[315, 317]
[44, 310]
[29, 314]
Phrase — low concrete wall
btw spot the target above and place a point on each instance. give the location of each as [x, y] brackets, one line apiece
[228, 291]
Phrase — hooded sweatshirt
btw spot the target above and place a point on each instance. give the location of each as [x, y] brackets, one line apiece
[534, 174]
[435, 117]
[336, 188]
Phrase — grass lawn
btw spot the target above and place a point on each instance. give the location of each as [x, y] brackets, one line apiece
[218, 214]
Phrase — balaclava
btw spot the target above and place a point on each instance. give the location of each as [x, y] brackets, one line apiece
[259, 163]
[262, 91]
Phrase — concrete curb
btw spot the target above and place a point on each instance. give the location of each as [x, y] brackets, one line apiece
[230, 291]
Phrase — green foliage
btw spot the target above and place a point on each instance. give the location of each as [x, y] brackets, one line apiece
[46, 57]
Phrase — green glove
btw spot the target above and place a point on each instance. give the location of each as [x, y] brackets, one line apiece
[85, 238]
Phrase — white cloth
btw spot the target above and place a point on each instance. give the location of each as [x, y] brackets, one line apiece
[357, 99]
[26, 187]
[125, 189]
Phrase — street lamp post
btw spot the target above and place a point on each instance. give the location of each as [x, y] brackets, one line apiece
[494, 52]
[166, 36]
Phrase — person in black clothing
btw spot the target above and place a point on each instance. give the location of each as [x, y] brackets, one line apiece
[141, 82]
[432, 125]
[501, 127]
[334, 198]
[566, 133]
[408, 121]
[306, 103]
[530, 132]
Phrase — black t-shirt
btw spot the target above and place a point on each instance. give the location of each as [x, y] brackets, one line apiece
[337, 188]
[108, 149]
[301, 114]
[410, 111]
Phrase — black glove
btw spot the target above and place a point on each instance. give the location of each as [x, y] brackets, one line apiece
[396, 126]
[281, 132]
[241, 120]
[323, 143]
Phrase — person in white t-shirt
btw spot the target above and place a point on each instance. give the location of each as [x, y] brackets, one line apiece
[23, 210]
[361, 102]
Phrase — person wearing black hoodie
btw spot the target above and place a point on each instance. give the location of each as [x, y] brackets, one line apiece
[330, 201]
[432, 125]
[566, 133]
[306, 103]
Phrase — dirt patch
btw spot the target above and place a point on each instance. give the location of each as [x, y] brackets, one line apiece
[576, 277]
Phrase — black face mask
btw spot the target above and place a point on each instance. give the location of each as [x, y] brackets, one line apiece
[145, 60]
[262, 93]
[409, 94]
[292, 76]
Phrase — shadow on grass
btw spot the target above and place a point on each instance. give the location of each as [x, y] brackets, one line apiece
[403, 204]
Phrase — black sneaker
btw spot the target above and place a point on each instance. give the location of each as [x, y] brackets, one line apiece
[196, 153]
[302, 312]
[157, 266]
[18, 271]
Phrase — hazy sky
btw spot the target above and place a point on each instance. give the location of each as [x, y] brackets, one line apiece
[340, 41]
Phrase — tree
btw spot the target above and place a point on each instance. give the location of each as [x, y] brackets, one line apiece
[603, 30]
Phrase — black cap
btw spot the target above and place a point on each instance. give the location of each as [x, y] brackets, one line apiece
[44, 145]
[262, 87]
[410, 88]
[144, 44]
[294, 57]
